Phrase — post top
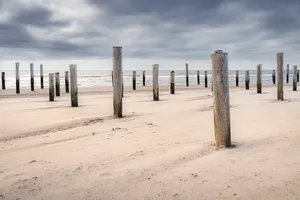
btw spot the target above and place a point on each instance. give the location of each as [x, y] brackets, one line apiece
[218, 51]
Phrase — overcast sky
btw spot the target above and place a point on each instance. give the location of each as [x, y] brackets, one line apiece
[167, 32]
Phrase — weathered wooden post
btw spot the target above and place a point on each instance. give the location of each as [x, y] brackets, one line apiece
[295, 78]
[3, 80]
[57, 84]
[298, 75]
[134, 80]
[198, 77]
[287, 73]
[67, 81]
[31, 77]
[221, 99]
[42, 76]
[51, 87]
[247, 79]
[274, 76]
[155, 83]
[280, 76]
[17, 78]
[237, 78]
[187, 74]
[205, 79]
[118, 82]
[74, 87]
[258, 79]
[144, 78]
[172, 82]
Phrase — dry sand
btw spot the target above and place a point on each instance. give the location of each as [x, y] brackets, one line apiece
[159, 150]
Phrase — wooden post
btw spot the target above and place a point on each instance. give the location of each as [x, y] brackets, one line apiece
[42, 76]
[287, 73]
[237, 78]
[3, 80]
[155, 83]
[187, 74]
[144, 78]
[118, 82]
[205, 79]
[172, 82]
[198, 77]
[258, 79]
[51, 87]
[134, 80]
[247, 79]
[221, 99]
[74, 87]
[17, 78]
[298, 75]
[67, 81]
[274, 76]
[57, 84]
[31, 77]
[280, 76]
[295, 78]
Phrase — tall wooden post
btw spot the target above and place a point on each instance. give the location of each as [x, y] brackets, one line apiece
[172, 82]
[67, 81]
[258, 79]
[74, 86]
[221, 99]
[51, 87]
[247, 79]
[144, 78]
[118, 82]
[274, 76]
[187, 74]
[198, 77]
[287, 73]
[155, 83]
[205, 79]
[237, 78]
[17, 78]
[31, 76]
[298, 75]
[57, 84]
[280, 76]
[134, 80]
[3, 80]
[295, 78]
[42, 76]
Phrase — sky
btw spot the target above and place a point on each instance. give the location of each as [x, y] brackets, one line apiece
[170, 33]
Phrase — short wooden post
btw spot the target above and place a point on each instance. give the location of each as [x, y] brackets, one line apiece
[3, 80]
[237, 78]
[42, 76]
[57, 84]
[31, 76]
[67, 81]
[51, 87]
[295, 78]
[187, 74]
[155, 83]
[280, 76]
[118, 82]
[274, 76]
[144, 78]
[198, 77]
[74, 87]
[221, 99]
[298, 75]
[17, 78]
[172, 82]
[258, 79]
[287, 73]
[134, 80]
[247, 79]
[205, 79]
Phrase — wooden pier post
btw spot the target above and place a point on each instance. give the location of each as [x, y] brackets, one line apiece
[247, 79]
[198, 77]
[74, 86]
[51, 87]
[295, 78]
[187, 74]
[172, 82]
[118, 82]
[57, 84]
[31, 77]
[205, 79]
[3, 80]
[17, 78]
[274, 76]
[155, 83]
[134, 80]
[42, 76]
[67, 81]
[258, 79]
[298, 75]
[221, 99]
[280, 76]
[144, 78]
[287, 73]
[237, 78]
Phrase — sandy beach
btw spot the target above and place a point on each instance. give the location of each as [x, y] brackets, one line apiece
[160, 150]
